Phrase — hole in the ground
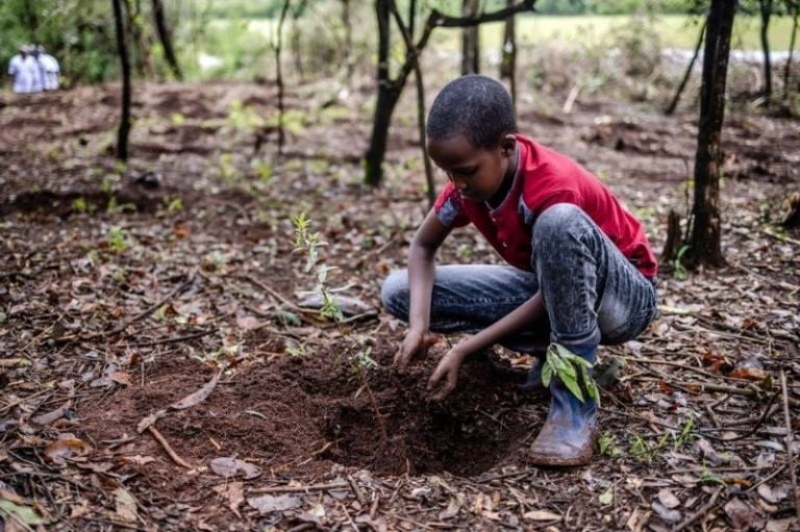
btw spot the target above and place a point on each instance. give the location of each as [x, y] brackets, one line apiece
[479, 427]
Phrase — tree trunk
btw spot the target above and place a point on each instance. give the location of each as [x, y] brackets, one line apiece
[279, 75]
[508, 63]
[30, 19]
[388, 95]
[348, 40]
[295, 39]
[704, 242]
[470, 40]
[674, 104]
[389, 90]
[125, 119]
[164, 35]
[413, 53]
[766, 13]
[795, 7]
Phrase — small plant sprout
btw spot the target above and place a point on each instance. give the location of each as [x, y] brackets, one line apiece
[608, 445]
[685, 437]
[358, 354]
[572, 370]
[681, 273]
[175, 206]
[117, 239]
[81, 206]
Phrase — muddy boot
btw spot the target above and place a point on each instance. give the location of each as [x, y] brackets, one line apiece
[569, 434]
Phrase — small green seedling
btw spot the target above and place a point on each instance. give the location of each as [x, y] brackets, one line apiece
[572, 370]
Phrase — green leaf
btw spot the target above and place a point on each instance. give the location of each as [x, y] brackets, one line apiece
[572, 385]
[547, 373]
[25, 514]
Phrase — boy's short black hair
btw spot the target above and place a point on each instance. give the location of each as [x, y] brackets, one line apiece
[476, 106]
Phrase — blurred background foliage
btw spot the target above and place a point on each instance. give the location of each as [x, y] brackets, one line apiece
[232, 39]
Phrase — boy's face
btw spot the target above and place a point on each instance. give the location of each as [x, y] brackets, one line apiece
[477, 173]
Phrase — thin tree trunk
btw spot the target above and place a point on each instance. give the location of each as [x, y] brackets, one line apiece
[348, 39]
[470, 39]
[165, 36]
[508, 64]
[795, 6]
[389, 90]
[388, 95]
[674, 104]
[279, 75]
[414, 54]
[125, 119]
[705, 240]
[30, 20]
[766, 13]
[295, 40]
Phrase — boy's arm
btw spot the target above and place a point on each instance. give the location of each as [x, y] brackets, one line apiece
[421, 270]
[526, 315]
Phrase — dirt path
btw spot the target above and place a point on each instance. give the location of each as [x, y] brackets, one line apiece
[125, 290]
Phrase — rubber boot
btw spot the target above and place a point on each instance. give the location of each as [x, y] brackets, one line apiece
[569, 435]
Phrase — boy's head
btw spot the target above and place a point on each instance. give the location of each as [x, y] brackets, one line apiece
[470, 135]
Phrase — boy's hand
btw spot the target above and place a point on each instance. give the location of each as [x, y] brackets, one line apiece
[448, 370]
[415, 343]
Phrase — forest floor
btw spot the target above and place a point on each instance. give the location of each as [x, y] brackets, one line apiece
[160, 371]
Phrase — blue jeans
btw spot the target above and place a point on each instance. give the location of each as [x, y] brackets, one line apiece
[592, 293]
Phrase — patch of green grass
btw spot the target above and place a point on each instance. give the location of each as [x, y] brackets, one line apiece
[674, 31]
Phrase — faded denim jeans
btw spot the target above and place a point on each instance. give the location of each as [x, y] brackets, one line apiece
[592, 293]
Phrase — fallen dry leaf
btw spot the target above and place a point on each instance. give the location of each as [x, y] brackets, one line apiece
[125, 506]
[231, 467]
[67, 446]
[234, 492]
[541, 515]
[267, 504]
[667, 514]
[197, 397]
[247, 323]
[49, 417]
[740, 514]
[668, 499]
[773, 495]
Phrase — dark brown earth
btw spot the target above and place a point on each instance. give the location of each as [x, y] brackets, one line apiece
[124, 289]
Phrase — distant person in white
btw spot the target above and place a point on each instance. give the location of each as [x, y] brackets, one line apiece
[20, 71]
[51, 69]
[36, 68]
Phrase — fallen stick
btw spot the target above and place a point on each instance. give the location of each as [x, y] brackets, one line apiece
[125, 324]
[165, 444]
[789, 437]
[296, 489]
[152, 308]
[699, 513]
[705, 387]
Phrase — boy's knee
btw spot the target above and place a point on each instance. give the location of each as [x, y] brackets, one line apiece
[556, 220]
[394, 293]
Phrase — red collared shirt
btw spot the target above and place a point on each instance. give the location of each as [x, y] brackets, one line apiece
[545, 178]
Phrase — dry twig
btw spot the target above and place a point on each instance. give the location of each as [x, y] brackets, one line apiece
[789, 438]
[165, 444]
[308, 487]
[699, 513]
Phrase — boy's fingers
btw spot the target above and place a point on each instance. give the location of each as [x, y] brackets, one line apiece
[437, 374]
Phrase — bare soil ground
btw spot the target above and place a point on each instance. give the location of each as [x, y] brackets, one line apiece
[157, 371]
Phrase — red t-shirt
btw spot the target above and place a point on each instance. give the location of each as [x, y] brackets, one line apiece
[544, 178]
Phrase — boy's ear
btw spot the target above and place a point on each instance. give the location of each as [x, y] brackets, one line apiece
[508, 144]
